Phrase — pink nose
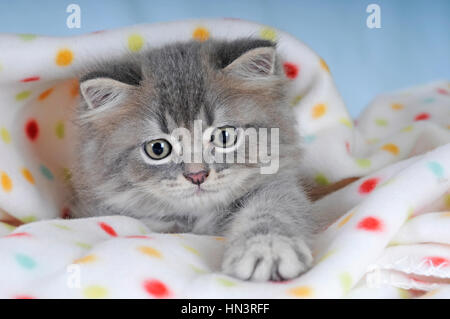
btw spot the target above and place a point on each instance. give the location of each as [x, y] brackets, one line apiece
[197, 178]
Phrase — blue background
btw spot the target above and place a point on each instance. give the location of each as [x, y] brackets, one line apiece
[412, 47]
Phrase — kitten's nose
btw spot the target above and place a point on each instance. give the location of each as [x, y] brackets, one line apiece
[197, 177]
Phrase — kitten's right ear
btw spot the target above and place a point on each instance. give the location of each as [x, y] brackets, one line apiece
[103, 93]
[254, 64]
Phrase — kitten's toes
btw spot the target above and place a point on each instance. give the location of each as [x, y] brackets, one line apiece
[267, 257]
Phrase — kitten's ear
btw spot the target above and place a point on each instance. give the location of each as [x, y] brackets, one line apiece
[254, 64]
[103, 92]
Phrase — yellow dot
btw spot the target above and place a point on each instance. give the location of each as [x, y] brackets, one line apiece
[5, 135]
[64, 57]
[86, 259]
[391, 148]
[135, 42]
[268, 34]
[7, 184]
[296, 100]
[328, 254]
[218, 238]
[324, 65]
[345, 219]
[397, 106]
[150, 251]
[447, 201]
[408, 128]
[301, 292]
[23, 95]
[319, 110]
[28, 176]
[200, 34]
[191, 249]
[346, 121]
[95, 291]
[59, 130]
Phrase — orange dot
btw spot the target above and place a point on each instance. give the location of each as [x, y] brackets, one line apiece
[64, 57]
[75, 88]
[345, 219]
[45, 94]
[397, 106]
[86, 259]
[319, 110]
[200, 34]
[324, 65]
[150, 251]
[391, 148]
[301, 292]
[28, 176]
[6, 182]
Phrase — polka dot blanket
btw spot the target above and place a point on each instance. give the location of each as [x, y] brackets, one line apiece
[389, 232]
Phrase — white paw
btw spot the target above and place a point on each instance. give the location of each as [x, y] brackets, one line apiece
[267, 257]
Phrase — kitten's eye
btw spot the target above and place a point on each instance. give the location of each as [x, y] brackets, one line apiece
[224, 136]
[158, 149]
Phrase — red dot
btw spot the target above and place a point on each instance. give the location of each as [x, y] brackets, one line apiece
[368, 185]
[139, 237]
[422, 117]
[347, 147]
[18, 235]
[31, 79]
[442, 91]
[291, 70]
[437, 261]
[156, 288]
[23, 297]
[108, 229]
[370, 224]
[65, 213]
[32, 129]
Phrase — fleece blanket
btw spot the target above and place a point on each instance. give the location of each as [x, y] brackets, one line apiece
[385, 235]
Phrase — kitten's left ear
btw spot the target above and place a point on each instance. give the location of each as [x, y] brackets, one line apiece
[254, 64]
[103, 93]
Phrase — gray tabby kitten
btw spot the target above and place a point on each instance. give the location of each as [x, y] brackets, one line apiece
[127, 161]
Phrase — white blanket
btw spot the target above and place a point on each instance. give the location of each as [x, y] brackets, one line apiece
[392, 240]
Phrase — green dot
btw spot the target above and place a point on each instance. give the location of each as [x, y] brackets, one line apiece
[226, 282]
[27, 36]
[64, 227]
[363, 162]
[28, 219]
[346, 281]
[59, 130]
[83, 245]
[47, 173]
[25, 261]
[321, 180]
[381, 122]
[23, 95]
[197, 270]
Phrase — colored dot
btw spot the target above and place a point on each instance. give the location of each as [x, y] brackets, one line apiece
[391, 148]
[291, 70]
[63, 227]
[301, 292]
[22, 234]
[447, 201]
[83, 245]
[27, 175]
[345, 121]
[200, 34]
[156, 288]
[346, 281]
[368, 185]
[429, 100]
[30, 79]
[28, 219]
[370, 224]
[422, 117]
[138, 237]
[150, 251]
[318, 110]
[27, 37]
[108, 229]
[191, 249]
[327, 255]
[436, 168]
[268, 34]
[437, 261]
[408, 128]
[25, 261]
[75, 89]
[23, 95]
[86, 259]
[67, 174]
[64, 57]
[59, 130]
[363, 162]
[65, 213]
[95, 292]
[46, 173]
[309, 139]
[32, 129]
[24, 297]
[7, 184]
[381, 122]
[372, 140]
[135, 42]
[321, 179]
[345, 219]
[45, 94]
[442, 91]
[324, 65]
[397, 106]
[226, 282]
[4, 134]
[296, 100]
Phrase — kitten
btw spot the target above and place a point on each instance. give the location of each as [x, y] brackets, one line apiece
[129, 164]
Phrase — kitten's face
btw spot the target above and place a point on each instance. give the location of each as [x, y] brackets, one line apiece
[128, 128]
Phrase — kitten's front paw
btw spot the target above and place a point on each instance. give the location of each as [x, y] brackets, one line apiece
[267, 257]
